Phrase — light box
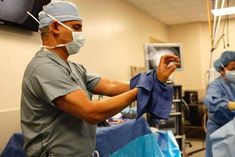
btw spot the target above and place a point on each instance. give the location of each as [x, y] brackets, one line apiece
[154, 51]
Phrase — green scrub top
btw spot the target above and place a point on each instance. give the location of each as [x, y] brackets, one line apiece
[47, 130]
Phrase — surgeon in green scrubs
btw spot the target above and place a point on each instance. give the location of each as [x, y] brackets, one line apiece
[58, 118]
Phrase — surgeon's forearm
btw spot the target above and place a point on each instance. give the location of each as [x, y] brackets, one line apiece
[109, 107]
[231, 105]
[78, 104]
[111, 87]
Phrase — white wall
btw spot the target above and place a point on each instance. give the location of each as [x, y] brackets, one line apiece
[115, 33]
[189, 36]
[10, 123]
[17, 47]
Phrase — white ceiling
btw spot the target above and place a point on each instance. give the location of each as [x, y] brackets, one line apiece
[173, 12]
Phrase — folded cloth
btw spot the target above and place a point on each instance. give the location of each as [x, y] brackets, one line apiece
[14, 147]
[153, 96]
[110, 139]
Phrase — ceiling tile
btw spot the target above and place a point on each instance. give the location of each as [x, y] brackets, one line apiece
[175, 11]
[156, 7]
[144, 2]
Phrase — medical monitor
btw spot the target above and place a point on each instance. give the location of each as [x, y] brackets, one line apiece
[154, 51]
[14, 13]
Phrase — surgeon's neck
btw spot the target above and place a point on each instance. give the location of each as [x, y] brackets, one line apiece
[61, 52]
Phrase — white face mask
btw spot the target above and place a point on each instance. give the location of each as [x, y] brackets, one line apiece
[72, 47]
[229, 75]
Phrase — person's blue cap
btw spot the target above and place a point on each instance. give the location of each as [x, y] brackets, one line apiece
[225, 58]
[61, 10]
[217, 65]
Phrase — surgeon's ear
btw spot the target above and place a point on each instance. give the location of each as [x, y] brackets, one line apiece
[54, 27]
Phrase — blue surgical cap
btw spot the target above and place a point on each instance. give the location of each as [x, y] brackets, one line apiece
[217, 65]
[225, 58]
[61, 10]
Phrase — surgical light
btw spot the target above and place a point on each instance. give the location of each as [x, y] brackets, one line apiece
[223, 11]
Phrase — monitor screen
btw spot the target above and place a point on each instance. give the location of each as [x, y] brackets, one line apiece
[153, 53]
[14, 12]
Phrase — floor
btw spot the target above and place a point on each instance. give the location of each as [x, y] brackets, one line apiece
[196, 145]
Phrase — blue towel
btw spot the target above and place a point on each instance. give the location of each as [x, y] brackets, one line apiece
[14, 147]
[110, 139]
[153, 96]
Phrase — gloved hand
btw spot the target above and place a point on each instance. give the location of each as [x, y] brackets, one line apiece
[231, 105]
[168, 64]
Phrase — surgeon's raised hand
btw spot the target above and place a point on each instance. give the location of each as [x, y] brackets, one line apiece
[168, 64]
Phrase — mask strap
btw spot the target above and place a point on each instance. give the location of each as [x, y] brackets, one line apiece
[53, 18]
[224, 68]
[52, 47]
[34, 19]
[222, 65]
